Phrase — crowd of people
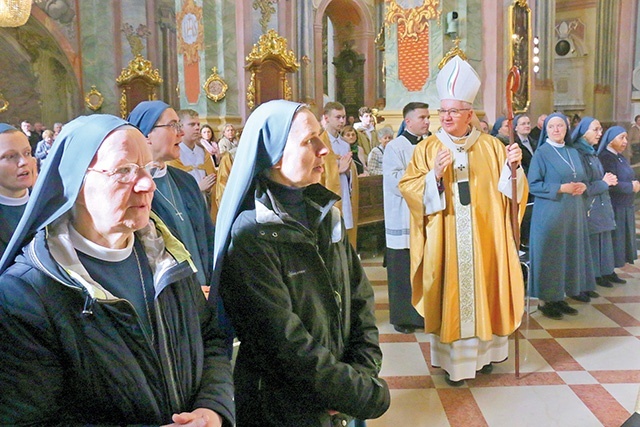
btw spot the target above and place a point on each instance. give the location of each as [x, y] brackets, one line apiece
[134, 252]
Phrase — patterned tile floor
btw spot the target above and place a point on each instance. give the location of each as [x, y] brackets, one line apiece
[583, 371]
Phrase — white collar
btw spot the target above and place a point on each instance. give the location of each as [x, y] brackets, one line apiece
[14, 201]
[90, 248]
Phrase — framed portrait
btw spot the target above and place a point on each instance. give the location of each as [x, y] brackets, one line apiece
[519, 52]
[215, 88]
[93, 99]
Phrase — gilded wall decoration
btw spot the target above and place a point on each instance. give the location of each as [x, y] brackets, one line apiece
[215, 87]
[520, 26]
[93, 99]
[267, 9]
[190, 31]
[413, 40]
[4, 104]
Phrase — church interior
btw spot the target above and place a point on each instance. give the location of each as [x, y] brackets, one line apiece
[222, 58]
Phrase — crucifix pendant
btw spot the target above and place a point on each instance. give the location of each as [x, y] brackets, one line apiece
[178, 213]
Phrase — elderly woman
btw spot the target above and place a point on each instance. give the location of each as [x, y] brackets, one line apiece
[292, 284]
[17, 175]
[500, 130]
[622, 194]
[599, 211]
[101, 316]
[559, 242]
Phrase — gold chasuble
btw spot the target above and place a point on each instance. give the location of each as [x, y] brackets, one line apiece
[465, 270]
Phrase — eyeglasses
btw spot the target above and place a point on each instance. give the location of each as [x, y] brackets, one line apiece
[128, 173]
[453, 112]
[177, 126]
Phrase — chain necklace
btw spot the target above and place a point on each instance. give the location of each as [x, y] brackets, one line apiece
[144, 293]
[571, 165]
[173, 204]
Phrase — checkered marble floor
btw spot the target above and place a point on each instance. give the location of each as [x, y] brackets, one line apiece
[582, 371]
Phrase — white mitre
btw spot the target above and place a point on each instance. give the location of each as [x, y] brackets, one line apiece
[458, 80]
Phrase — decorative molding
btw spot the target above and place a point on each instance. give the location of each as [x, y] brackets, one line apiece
[414, 20]
[139, 67]
[215, 88]
[271, 44]
[190, 31]
[135, 37]
[266, 10]
[454, 51]
[93, 99]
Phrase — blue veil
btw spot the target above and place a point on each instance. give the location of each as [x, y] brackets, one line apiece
[61, 177]
[261, 146]
[609, 136]
[577, 136]
[543, 132]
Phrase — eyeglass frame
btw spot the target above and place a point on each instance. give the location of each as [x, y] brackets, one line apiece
[149, 168]
[177, 126]
[453, 112]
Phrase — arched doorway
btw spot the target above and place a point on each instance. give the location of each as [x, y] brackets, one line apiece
[340, 25]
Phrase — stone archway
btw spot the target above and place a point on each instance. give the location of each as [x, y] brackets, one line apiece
[354, 26]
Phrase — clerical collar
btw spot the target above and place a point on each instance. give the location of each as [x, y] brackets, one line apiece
[14, 201]
[95, 250]
[413, 139]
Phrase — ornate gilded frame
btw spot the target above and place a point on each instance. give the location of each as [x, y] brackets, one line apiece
[215, 88]
[270, 46]
[138, 67]
[188, 19]
[93, 99]
[519, 52]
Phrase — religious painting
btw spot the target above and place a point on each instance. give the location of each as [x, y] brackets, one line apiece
[520, 26]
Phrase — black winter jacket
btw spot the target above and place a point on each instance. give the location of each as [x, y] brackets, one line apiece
[304, 313]
[71, 355]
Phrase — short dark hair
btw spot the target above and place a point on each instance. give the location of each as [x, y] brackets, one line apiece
[330, 106]
[635, 119]
[364, 110]
[413, 106]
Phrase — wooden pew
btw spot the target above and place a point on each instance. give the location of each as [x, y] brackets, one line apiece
[371, 215]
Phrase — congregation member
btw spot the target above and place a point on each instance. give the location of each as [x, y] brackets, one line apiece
[350, 136]
[209, 143]
[522, 130]
[33, 137]
[622, 195]
[484, 126]
[374, 161]
[535, 131]
[17, 176]
[366, 127]
[560, 252]
[397, 155]
[57, 127]
[177, 198]
[465, 270]
[44, 146]
[101, 318]
[292, 283]
[194, 159]
[341, 175]
[228, 141]
[500, 130]
[600, 217]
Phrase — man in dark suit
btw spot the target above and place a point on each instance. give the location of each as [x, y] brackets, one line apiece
[535, 132]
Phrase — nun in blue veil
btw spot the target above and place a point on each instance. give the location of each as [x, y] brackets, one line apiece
[560, 252]
[101, 317]
[600, 216]
[291, 283]
[622, 195]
